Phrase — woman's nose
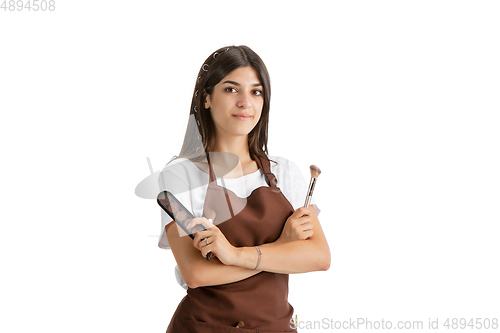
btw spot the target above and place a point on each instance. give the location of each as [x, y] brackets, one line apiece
[244, 101]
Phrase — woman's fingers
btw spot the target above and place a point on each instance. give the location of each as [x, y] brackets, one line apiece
[308, 233]
[205, 242]
[306, 226]
[201, 236]
[302, 227]
[205, 249]
[300, 221]
[195, 221]
[302, 211]
[206, 222]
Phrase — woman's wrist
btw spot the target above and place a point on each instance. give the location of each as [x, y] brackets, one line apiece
[247, 257]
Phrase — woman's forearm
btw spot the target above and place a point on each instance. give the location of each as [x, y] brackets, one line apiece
[238, 263]
[287, 258]
[213, 272]
[278, 257]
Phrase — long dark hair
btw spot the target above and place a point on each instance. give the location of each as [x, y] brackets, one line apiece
[200, 134]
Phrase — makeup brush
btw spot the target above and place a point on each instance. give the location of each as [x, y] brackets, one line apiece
[315, 172]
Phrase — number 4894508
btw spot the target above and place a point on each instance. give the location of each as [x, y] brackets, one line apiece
[28, 5]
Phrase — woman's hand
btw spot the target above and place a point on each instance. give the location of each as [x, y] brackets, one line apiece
[298, 226]
[213, 240]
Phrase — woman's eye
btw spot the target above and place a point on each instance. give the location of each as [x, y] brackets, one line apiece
[230, 89]
[257, 92]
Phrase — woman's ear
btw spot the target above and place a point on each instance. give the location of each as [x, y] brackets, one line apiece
[206, 98]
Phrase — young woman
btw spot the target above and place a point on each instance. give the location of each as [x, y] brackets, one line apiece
[266, 235]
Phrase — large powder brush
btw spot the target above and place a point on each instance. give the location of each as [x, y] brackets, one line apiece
[315, 172]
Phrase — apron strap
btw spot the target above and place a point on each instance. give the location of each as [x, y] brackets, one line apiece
[265, 166]
[211, 171]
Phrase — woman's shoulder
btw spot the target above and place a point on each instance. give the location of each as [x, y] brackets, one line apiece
[282, 164]
[181, 173]
[181, 166]
[285, 170]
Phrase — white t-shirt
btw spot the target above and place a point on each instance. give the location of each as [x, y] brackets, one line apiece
[189, 185]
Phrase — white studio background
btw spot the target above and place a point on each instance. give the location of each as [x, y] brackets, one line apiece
[396, 101]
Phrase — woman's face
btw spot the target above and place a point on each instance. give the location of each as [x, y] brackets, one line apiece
[236, 103]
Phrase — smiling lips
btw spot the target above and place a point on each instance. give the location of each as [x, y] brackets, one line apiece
[242, 116]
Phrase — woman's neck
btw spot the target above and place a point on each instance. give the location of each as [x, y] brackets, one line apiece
[235, 145]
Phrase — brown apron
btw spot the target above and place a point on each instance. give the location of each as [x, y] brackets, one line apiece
[260, 301]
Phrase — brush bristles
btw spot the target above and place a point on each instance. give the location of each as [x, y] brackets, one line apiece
[315, 171]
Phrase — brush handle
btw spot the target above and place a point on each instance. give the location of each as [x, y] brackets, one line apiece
[312, 183]
[308, 201]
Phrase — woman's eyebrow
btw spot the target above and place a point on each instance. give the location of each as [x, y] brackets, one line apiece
[237, 84]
